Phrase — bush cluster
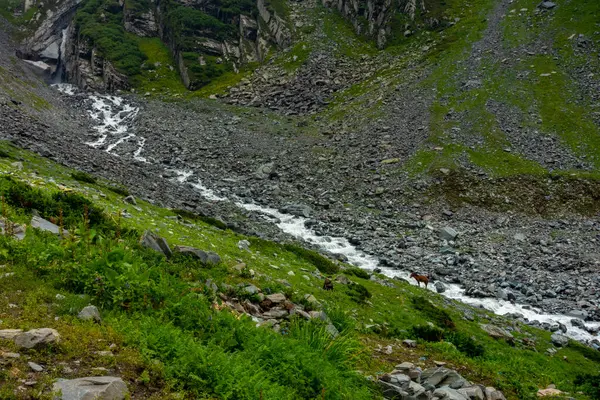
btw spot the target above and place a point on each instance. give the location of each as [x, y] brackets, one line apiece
[101, 22]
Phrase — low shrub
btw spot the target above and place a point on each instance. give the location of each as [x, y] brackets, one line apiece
[589, 384]
[358, 272]
[50, 206]
[323, 264]
[83, 177]
[429, 333]
[120, 190]
[358, 293]
[465, 343]
[437, 315]
[586, 351]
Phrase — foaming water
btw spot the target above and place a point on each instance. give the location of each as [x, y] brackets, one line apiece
[113, 117]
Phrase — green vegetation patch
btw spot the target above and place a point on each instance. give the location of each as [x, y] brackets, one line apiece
[170, 332]
[101, 22]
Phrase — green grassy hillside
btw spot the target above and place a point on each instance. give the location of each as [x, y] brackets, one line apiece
[171, 335]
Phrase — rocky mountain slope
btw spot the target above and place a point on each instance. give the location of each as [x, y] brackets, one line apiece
[459, 142]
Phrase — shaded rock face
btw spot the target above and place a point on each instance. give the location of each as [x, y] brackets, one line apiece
[371, 17]
[58, 52]
[86, 68]
[142, 24]
[45, 45]
[152, 241]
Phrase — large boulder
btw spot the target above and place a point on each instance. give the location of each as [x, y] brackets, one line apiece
[559, 340]
[37, 338]
[47, 226]
[496, 332]
[447, 393]
[299, 210]
[91, 388]
[90, 313]
[152, 241]
[441, 376]
[10, 334]
[440, 287]
[473, 392]
[448, 233]
[205, 257]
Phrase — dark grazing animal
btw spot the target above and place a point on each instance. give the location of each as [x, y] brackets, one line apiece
[328, 285]
[420, 278]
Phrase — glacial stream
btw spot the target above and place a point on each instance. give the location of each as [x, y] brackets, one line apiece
[114, 117]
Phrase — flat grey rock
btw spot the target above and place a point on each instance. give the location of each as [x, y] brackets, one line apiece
[91, 388]
[47, 226]
[206, 257]
[37, 338]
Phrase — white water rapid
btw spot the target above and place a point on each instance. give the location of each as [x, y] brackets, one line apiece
[113, 117]
[113, 124]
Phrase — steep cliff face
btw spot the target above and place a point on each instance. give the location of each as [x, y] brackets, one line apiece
[46, 44]
[89, 42]
[369, 17]
[84, 66]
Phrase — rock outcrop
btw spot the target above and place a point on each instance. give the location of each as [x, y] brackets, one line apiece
[58, 51]
[371, 17]
[408, 381]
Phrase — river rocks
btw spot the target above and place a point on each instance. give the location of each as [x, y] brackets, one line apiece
[90, 313]
[559, 340]
[152, 241]
[440, 287]
[37, 338]
[448, 233]
[205, 257]
[496, 332]
[265, 171]
[95, 387]
[299, 210]
[578, 323]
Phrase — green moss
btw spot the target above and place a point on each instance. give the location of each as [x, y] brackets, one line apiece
[159, 73]
[101, 22]
[500, 163]
[346, 41]
[296, 57]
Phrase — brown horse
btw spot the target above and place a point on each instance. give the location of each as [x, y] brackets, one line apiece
[420, 278]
